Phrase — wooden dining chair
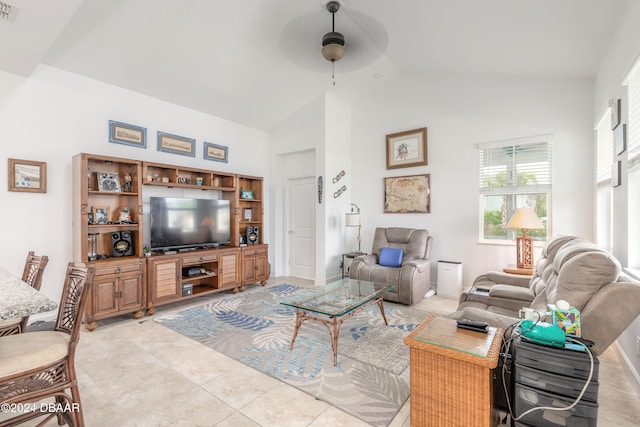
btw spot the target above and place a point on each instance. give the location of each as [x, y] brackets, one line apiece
[39, 365]
[32, 274]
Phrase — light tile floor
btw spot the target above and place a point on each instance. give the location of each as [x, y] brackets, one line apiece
[138, 373]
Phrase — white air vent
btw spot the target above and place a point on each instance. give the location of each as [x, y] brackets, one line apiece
[7, 12]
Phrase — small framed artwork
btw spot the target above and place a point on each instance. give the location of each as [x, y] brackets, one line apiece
[246, 195]
[27, 176]
[100, 214]
[217, 153]
[108, 181]
[176, 144]
[247, 214]
[407, 149]
[407, 194]
[620, 139]
[616, 110]
[122, 133]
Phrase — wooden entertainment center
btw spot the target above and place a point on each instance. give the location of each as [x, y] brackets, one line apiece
[108, 236]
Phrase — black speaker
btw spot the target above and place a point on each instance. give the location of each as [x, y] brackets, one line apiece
[122, 243]
[252, 235]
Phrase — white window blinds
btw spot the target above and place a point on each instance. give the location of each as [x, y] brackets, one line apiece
[604, 138]
[522, 166]
[633, 89]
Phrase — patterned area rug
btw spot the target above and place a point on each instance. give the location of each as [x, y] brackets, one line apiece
[371, 379]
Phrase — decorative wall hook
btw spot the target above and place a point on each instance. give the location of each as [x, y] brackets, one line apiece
[339, 191]
[339, 176]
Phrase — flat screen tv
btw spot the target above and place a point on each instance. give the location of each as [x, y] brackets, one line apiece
[183, 223]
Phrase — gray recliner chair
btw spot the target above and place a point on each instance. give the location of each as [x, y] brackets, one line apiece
[570, 269]
[412, 280]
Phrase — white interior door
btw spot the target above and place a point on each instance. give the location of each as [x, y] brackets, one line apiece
[301, 227]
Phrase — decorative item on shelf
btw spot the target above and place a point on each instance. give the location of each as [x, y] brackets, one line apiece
[27, 176]
[165, 179]
[101, 214]
[184, 180]
[339, 191]
[216, 181]
[199, 181]
[125, 216]
[339, 176]
[90, 218]
[247, 214]
[155, 177]
[246, 194]
[108, 181]
[352, 219]
[333, 41]
[407, 149]
[93, 246]
[146, 251]
[127, 185]
[320, 189]
[524, 219]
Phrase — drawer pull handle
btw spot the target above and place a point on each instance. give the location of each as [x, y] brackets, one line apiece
[255, 267]
[201, 259]
[118, 270]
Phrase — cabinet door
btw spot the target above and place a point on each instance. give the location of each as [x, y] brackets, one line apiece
[249, 270]
[229, 272]
[164, 278]
[104, 299]
[261, 268]
[130, 292]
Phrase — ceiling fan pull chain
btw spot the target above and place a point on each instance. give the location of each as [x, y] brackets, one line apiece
[333, 72]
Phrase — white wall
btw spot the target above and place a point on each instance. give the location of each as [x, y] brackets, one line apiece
[54, 115]
[623, 51]
[461, 112]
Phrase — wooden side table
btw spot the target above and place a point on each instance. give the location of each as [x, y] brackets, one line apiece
[512, 269]
[451, 378]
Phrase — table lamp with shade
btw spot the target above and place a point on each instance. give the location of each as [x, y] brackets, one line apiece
[352, 219]
[525, 219]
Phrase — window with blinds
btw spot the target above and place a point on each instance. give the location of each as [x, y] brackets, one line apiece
[604, 162]
[632, 81]
[514, 174]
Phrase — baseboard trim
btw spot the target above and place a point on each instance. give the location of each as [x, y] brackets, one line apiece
[628, 366]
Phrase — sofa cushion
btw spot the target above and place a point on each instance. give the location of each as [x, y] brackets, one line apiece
[391, 257]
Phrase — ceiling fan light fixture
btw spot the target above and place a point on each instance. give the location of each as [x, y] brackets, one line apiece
[333, 46]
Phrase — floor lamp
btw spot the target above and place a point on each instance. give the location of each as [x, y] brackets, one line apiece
[353, 220]
[524, 219]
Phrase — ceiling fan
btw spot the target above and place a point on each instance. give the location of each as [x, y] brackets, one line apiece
[303, 38]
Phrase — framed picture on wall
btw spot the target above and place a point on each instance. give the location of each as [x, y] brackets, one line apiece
[27, 176]
[616, 110]
[122, 133]
[407, 194]
[407, 149]
[176, 144]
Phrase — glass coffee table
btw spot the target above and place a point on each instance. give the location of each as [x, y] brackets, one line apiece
[334, 303]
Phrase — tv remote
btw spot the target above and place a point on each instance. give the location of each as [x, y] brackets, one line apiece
[473, 325]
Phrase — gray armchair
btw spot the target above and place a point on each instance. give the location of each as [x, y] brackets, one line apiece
[412, 280]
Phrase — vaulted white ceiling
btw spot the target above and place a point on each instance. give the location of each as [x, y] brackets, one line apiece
[256, 62]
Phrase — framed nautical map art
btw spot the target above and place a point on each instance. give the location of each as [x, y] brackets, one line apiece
[407, 194]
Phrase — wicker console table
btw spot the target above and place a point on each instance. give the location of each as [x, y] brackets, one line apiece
[451, 378]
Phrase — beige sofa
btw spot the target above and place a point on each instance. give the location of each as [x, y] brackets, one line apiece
[569, 269]
[412, 280]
